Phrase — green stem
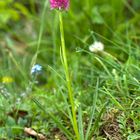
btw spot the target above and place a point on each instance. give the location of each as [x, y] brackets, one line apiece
[68, 80]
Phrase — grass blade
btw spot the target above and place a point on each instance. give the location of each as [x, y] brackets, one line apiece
[80, 122]
[93, 110]
[62, 128]
[68, 108]
[103, 65]
[97, 122]
[113, 99]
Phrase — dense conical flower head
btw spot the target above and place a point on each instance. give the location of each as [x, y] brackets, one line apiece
[59, 4]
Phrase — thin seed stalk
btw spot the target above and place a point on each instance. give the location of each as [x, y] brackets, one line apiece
[68, 80]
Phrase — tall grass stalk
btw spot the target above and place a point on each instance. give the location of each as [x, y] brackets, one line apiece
[40, 34]
[68, 79]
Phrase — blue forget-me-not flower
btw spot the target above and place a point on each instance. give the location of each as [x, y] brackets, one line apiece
[36, 69]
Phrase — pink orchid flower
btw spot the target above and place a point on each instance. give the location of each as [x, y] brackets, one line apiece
[59, 4]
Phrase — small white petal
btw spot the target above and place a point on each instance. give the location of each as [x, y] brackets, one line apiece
[96, 47]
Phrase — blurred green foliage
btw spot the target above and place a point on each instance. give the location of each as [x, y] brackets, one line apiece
[11, 10]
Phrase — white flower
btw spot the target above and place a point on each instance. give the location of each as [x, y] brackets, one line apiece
[96, 47]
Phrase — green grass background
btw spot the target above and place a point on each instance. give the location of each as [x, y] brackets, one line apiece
[106, 85]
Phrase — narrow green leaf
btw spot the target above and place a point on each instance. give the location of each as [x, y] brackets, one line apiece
[113, 99]
[96, 122]
[93, 110]
[56, 120]
[80, 122]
